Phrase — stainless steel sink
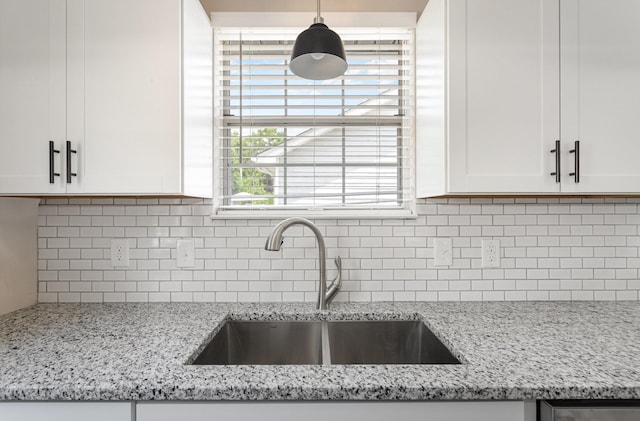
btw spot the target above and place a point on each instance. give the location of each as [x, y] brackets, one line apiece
[386, 342]
[345, 342]
[264, 343]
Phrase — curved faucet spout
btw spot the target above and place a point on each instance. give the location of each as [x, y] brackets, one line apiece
[274, 242]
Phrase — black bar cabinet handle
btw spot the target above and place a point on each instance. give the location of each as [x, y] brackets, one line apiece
[69, 172]
[576, 162]
[557, 152]
[52, 162]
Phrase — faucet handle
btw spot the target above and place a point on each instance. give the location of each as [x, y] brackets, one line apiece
[336, 284]
[338, 261]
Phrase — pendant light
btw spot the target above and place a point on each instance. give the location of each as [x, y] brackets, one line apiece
[318, 52]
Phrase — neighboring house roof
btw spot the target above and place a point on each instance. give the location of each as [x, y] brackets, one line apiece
[270, 156]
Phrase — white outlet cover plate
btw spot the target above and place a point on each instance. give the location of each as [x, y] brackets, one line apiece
[119, 252]
[442, 252]
[186, 251]
[490, 253]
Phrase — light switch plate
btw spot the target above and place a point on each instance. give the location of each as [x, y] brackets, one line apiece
[443, 252]
[186, 251]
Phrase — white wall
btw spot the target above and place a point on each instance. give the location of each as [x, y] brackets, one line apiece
[552, 249]
[18, 253]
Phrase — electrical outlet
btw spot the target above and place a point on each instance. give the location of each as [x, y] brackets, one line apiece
[186, 251]
[490, 253]
[442, 252]
[119, 252]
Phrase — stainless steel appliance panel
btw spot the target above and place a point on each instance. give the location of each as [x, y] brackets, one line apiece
[590, 411]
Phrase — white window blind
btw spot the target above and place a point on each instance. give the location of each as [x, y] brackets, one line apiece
[287, 143]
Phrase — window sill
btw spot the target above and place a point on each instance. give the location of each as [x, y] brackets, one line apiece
[309, 214]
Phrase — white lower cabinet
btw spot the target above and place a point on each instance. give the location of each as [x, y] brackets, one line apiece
[334, 411]
[66, 411]
[268, 411]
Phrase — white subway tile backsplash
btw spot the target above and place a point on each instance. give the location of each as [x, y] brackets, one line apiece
[69, 297]
[552, 249]
[89, 210]
[113, 210]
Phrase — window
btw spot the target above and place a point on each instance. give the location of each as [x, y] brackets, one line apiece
[284, 143]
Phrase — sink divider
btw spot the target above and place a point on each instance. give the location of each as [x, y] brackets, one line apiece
[326, 350]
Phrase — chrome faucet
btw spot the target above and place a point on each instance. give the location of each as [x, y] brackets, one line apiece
[325, 295]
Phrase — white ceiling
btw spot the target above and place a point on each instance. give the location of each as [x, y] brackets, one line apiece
[310, 5]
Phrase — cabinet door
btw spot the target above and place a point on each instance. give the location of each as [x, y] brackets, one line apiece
[124, 96]
[503, 95]
[65, 411]
[600, 79]
[32, 77]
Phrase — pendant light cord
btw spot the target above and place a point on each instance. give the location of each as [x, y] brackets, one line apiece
[318, 18]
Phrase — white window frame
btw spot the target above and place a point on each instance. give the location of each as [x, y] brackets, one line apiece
[335, 21]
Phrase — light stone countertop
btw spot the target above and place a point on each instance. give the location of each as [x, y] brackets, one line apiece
[560, 350]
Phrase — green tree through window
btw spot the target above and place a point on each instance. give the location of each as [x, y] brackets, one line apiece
[249, 180]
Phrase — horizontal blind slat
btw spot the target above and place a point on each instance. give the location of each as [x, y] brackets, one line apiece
[364, 86]
[346, 78]
[355, 57]
[319, 97]
[296, 121]
[284, 47]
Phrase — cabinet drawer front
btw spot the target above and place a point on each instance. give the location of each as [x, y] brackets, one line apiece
[334, 411]
[65, 411]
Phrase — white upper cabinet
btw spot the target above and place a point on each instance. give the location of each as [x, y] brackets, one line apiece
[489, 79]
[487, 107]
[127, 97]
[129, 93]
[600, 83]
[32, 94]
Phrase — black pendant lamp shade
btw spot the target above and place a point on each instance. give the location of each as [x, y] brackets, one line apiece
[318, 53]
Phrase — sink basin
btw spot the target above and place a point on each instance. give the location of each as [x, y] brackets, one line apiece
[346, 342]
[264, 343]
[386, 342]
